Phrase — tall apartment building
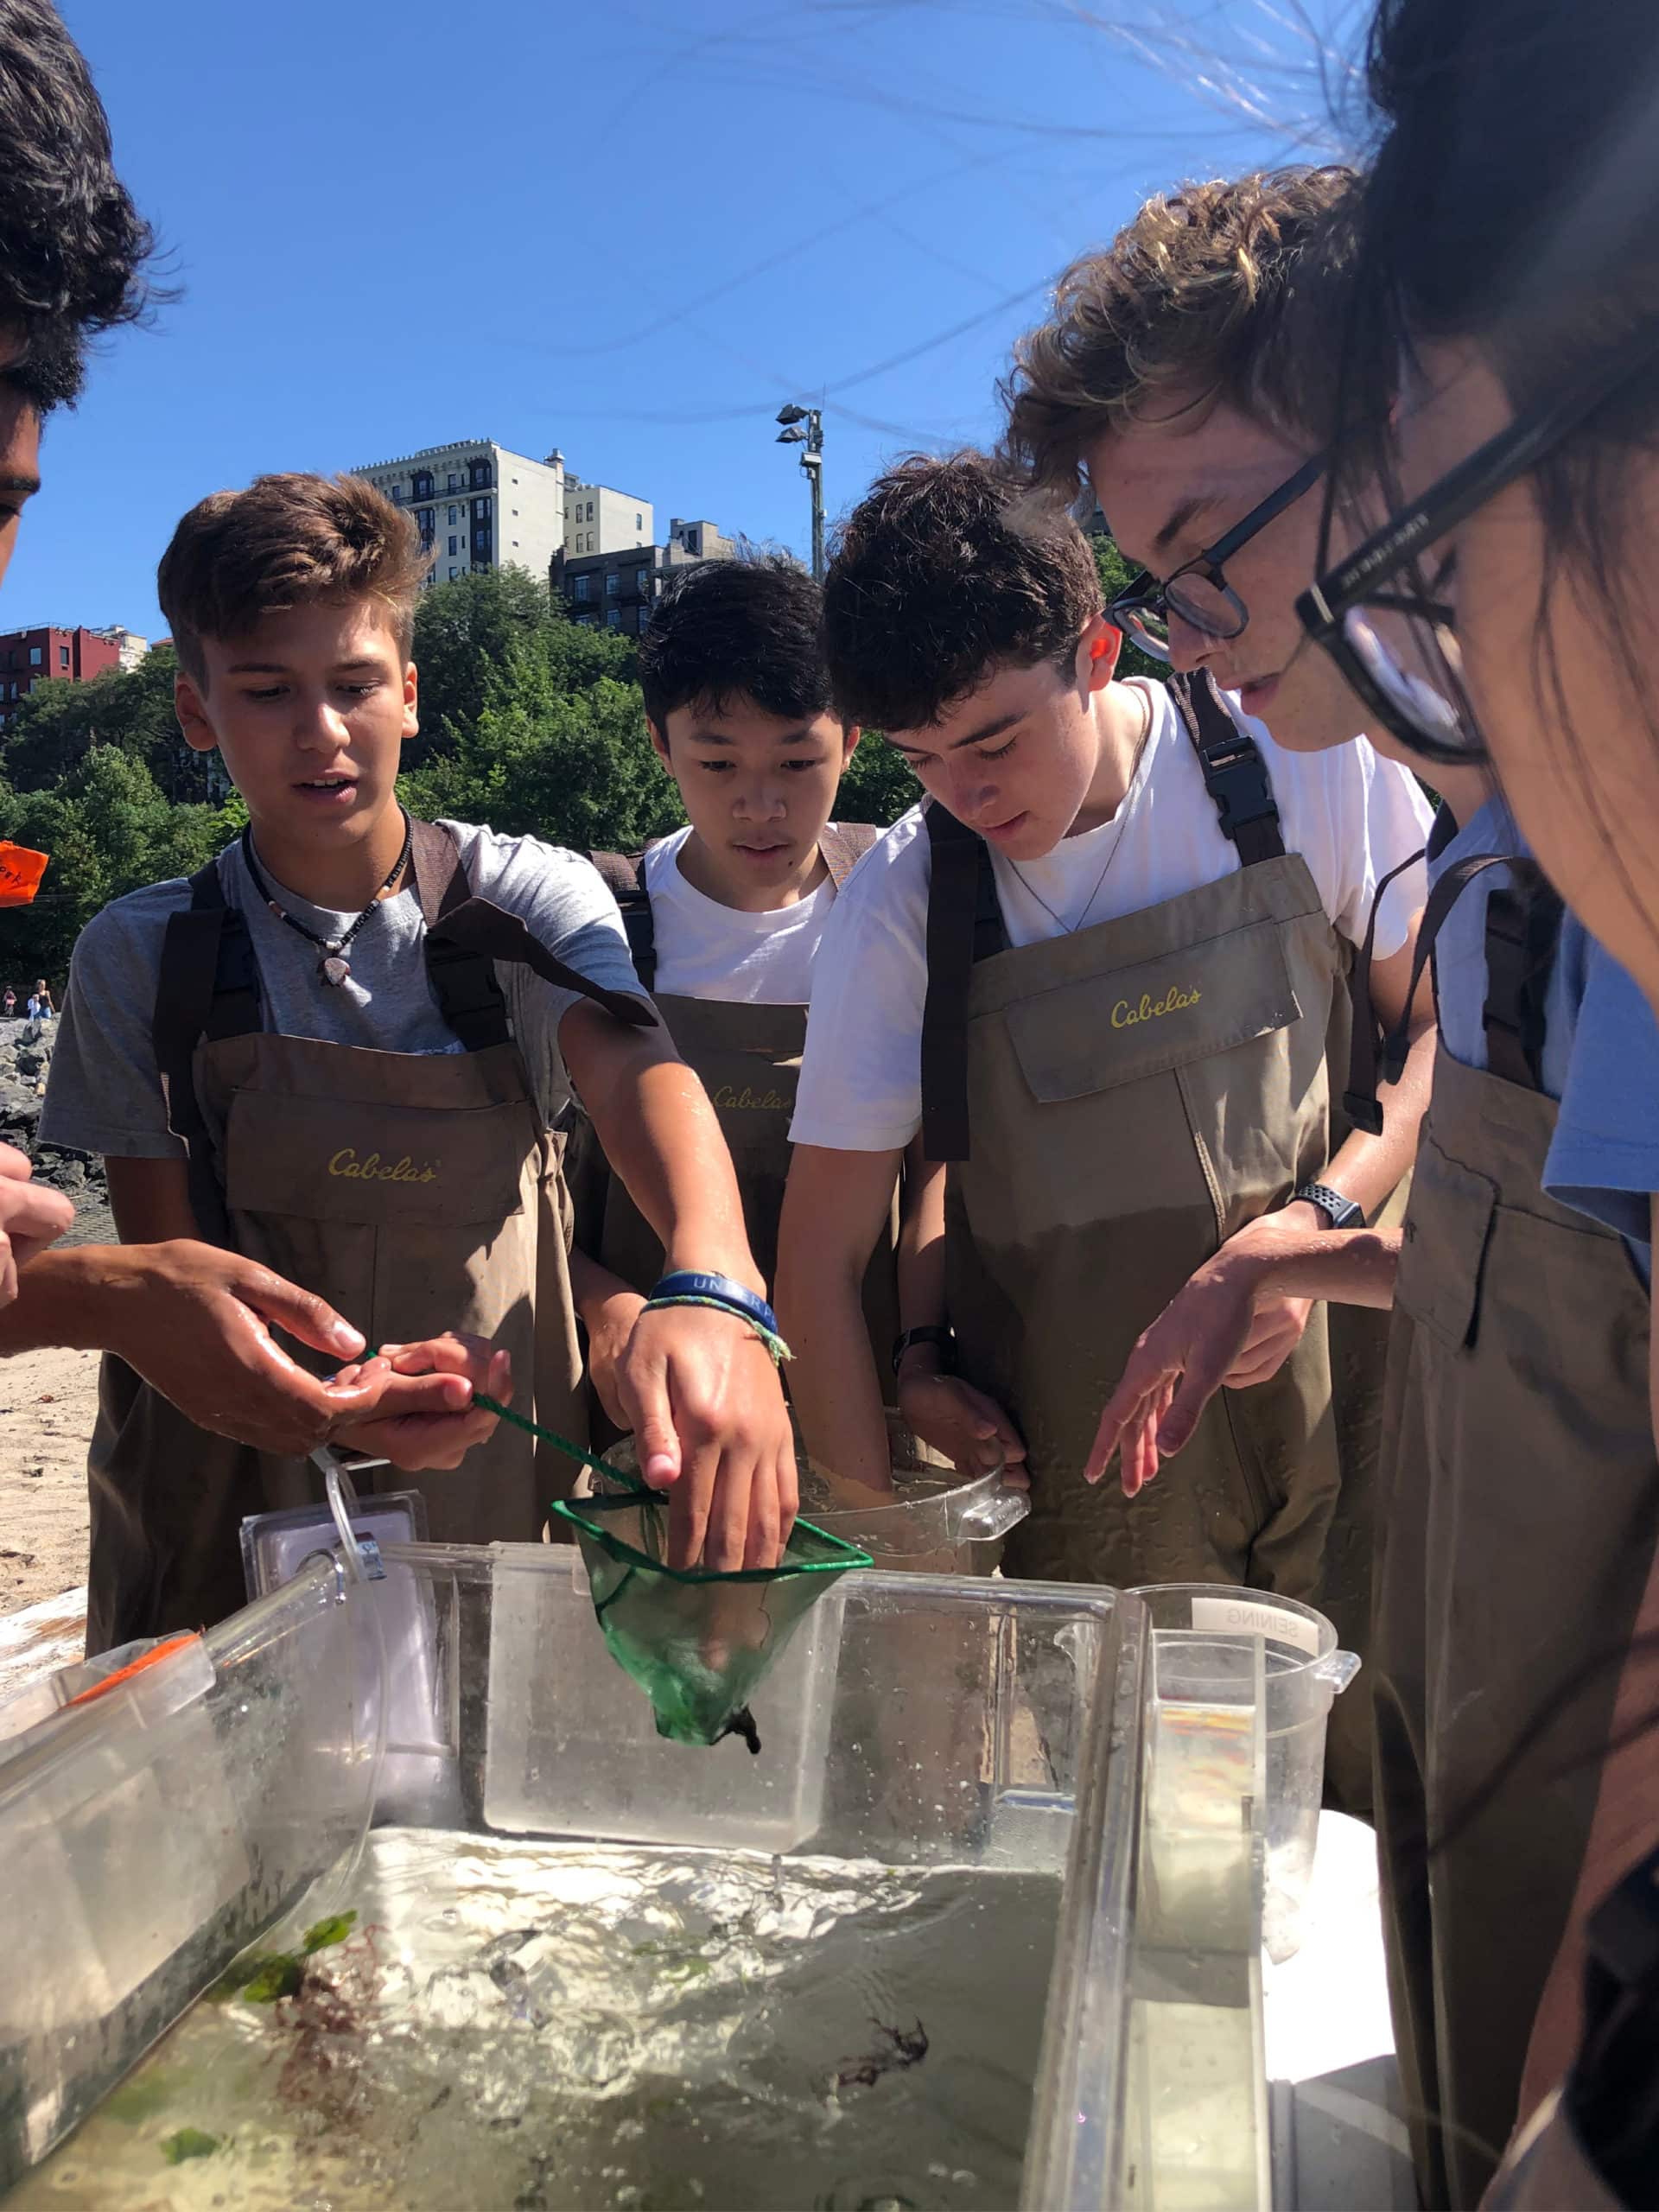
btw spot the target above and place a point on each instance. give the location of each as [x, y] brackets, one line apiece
[598, 518]
[478, 505]
[47, 655]
[617, 590]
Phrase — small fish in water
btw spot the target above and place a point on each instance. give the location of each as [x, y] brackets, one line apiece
[898, 2049]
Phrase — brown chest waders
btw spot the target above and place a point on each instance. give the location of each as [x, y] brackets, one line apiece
[1114, 1104]
[748, 1059]
[416, 1192]
[1518, 1470]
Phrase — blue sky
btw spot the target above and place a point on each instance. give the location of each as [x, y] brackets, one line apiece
[629, 228]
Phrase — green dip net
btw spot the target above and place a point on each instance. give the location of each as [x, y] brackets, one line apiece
[697, 1642]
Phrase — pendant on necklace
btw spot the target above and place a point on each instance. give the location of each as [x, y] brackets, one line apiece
[334, 969]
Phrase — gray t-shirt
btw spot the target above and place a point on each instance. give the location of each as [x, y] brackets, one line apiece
[104, 1094]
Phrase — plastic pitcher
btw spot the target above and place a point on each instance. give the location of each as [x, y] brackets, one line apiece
[1203, 1635]
[933, 1522]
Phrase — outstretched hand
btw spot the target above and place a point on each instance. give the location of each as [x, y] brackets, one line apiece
[421, 1414]
[1224, 1328]
[30, 1218]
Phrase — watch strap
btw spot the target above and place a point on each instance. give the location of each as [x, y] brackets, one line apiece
[1339, 1212]
[944, 1338]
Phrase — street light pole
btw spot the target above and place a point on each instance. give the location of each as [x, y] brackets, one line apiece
[811, 440]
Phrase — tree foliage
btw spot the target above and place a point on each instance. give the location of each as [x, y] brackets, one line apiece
[58, 724]
[1115, 574]
[109, 829]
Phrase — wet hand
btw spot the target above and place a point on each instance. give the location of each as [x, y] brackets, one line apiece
[1205, 1335]
[197, 1324]
[422, 1415]
[700, 1394]
[1279, 1322]
[608, 1341]
[971, 1430]
[30, 1218]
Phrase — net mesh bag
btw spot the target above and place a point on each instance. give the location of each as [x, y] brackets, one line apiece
[697, 1642]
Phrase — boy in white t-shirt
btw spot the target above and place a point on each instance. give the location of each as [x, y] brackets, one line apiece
[726, 916]
[1098, 972]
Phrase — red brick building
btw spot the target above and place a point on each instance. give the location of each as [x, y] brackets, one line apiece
[32, 656]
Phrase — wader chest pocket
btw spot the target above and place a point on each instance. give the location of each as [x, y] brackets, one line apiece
[1447, 1226]
[1090, 1036]
[329, 1160]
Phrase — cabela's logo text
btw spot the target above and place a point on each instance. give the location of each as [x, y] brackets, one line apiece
[751, 1101]
[373, 1169]
[1125, 1016]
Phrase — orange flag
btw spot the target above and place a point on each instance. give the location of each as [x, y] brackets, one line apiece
[21, 871]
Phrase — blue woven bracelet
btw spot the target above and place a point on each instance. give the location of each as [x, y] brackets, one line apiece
[718, 1290]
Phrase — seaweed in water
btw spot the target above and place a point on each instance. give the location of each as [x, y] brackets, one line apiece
[188, 2142]
[263, 1977]
[899, 2048]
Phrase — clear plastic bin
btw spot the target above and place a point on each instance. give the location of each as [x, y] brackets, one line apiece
[1206, 1638]
[936, 1726]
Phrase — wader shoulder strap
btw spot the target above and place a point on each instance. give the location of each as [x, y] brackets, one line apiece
[1234, 774]
[1518, 956]
[466, 934]
[208, 986]
[1523, 927]
[844, 844]
[965, 926]
[1366, 1043]
[625, 879]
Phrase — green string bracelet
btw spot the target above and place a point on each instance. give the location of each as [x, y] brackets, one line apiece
[773, 1343]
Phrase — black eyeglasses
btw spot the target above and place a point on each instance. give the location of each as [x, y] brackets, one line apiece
[1413, 685]
[1199, 593]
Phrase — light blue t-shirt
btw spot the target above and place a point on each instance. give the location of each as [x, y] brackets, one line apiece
[1601, 1045]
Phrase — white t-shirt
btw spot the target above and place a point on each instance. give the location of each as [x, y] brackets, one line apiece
[1350, 814]
[705, 950]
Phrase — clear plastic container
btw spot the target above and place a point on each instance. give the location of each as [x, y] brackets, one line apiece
[989, 1735]
[1205, 1638]
[931, 1522]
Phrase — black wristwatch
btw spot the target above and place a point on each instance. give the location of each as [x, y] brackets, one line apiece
[944, 1338]
[1339, 1212]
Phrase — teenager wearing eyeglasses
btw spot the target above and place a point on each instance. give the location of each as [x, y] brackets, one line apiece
[1520, 1328]
[1509, 607]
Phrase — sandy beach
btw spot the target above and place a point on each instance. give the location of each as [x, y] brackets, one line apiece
[48, 1401]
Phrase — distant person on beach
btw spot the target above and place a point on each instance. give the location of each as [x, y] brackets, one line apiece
[41, 1008]
[9, 1003]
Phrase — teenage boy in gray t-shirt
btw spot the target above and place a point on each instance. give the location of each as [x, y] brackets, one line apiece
[291, 605]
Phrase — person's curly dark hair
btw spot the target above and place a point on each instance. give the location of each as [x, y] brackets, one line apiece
[942, 576]
[73, 246]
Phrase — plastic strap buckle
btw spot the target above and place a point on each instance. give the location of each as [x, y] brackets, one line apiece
[1241, 789]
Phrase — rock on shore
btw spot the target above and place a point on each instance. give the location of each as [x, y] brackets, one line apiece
[25, 1056]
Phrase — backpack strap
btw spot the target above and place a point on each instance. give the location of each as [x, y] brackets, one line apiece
[965, 926]
[844, 844]
[624, 876]
[467, 935]
[1234, 774]
[208, 987]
